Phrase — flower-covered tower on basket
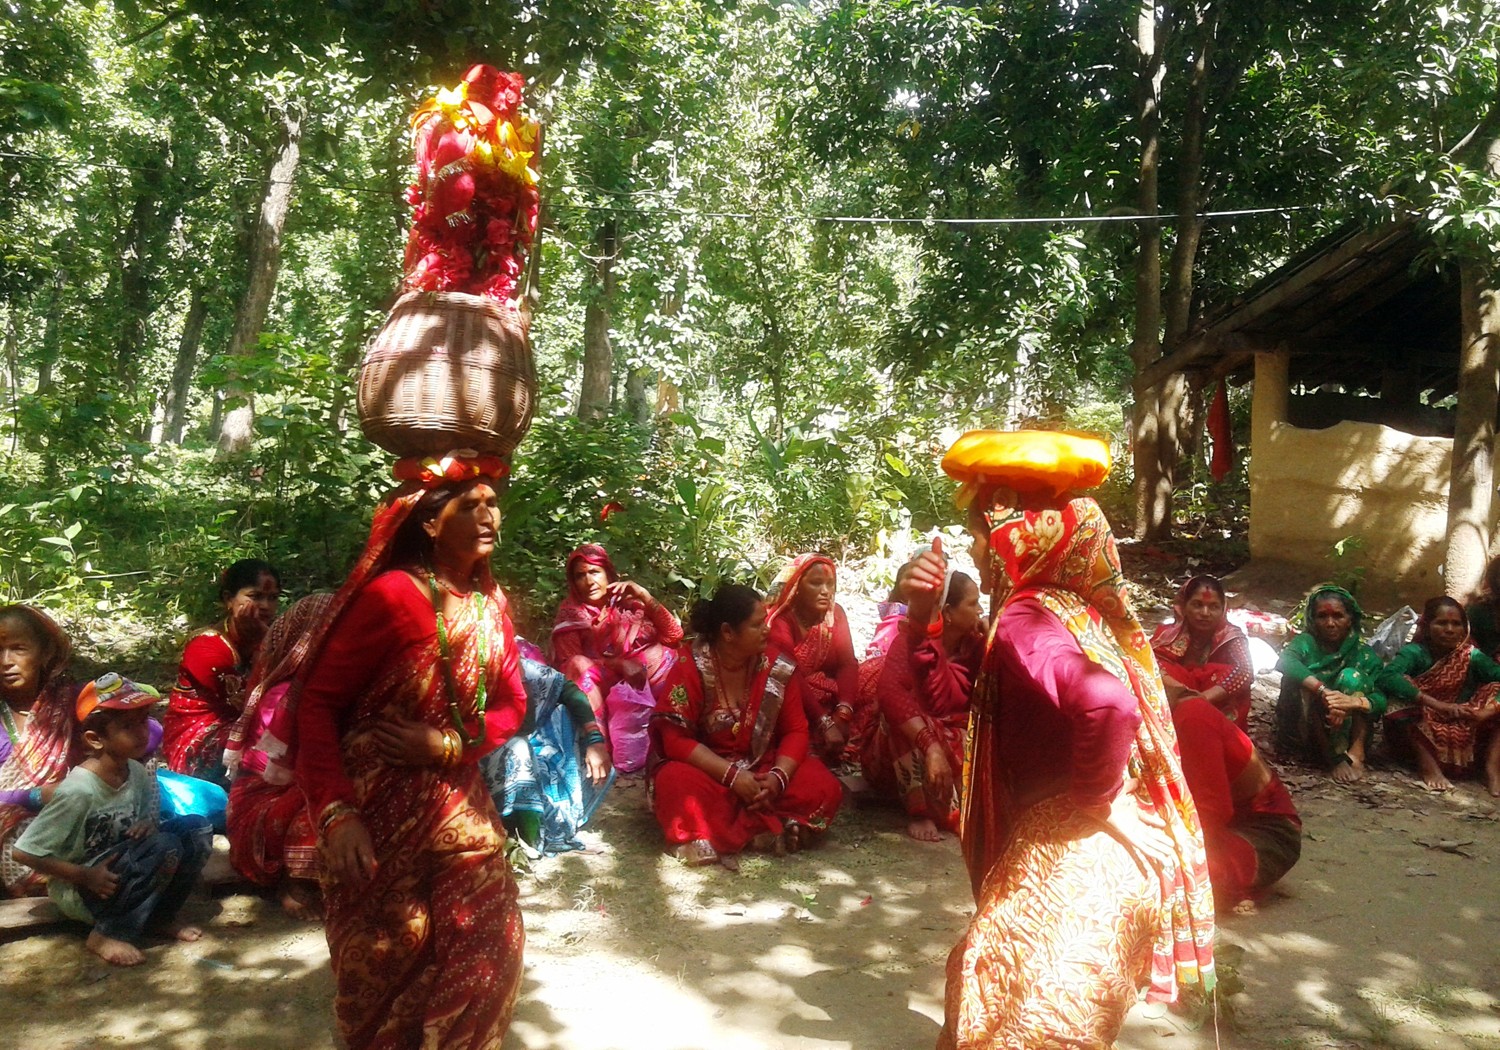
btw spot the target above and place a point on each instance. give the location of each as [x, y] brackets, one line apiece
[451, 368]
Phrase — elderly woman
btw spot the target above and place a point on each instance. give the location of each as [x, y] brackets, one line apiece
[1330, 698]
[39, 735]
[916, 749]
[731, 733]
[610, 630]
[210, 690]
[416, 678]
[1200, 653]
[1452, 690]
[1080, 836]
[810, 628]
[271, 839]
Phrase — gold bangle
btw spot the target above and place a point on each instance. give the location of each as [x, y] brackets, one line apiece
[333, 812]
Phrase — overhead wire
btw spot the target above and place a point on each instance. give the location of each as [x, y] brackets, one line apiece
[813, 217]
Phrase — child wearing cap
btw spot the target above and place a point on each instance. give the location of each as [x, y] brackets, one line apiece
[108, 863]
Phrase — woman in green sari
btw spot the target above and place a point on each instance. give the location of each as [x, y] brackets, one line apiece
[1330, 697]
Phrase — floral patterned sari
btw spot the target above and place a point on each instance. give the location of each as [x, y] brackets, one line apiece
[1066, 927]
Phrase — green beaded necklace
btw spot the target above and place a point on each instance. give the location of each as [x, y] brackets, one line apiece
[481, 694]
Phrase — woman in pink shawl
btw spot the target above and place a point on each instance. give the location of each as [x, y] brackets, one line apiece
[810, 628]
[1201, 653]
[610, 630]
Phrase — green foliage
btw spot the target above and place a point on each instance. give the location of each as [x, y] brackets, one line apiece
[1342, 558]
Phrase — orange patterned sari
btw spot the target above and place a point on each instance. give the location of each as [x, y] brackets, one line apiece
[1072, 918]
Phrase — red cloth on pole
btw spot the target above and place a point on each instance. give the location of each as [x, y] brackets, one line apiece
[1221, 433]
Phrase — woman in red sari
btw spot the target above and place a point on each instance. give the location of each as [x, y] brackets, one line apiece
[810, 628]
[1081, 838]
[210, 688]
[271, 838]
[1201, 653]
[917, 746]
[36, 719]
[414, 680]
[732, 734]
[610, 630]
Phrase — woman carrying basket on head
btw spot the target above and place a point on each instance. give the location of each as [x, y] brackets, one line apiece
[415, 679]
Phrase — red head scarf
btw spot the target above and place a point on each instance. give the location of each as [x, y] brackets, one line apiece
[789, 580]
[613, 627]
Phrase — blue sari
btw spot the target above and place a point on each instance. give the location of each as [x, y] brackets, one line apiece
[540, 772]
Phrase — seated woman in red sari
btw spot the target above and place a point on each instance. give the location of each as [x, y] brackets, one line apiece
[416, 678]
[1452, 692]
[916, 750]
[210, 690]
[1201, 653]
[271, 839]
[1081, 839]
[38, 738]
[732, 738]
[610, 630]
[1250, 828]
[810, 628]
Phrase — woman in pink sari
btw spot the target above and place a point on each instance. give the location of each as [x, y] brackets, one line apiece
[1201, 653]
[916, 749]
[272, 841]
[37, 731]
[810, 628]
[610, 630]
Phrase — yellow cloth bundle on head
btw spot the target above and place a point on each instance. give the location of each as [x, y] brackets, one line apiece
[1040, 461]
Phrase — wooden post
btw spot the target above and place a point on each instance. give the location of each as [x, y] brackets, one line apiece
[1471, 486]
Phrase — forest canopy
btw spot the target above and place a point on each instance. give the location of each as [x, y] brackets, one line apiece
[788, 250]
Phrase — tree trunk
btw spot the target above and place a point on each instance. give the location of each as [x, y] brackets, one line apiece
[238, 426]
[1471, 485]
[13, 371]
[640, 388]
[598, 355]
[175, 417]
[51, 332]
[1152, 504]
[135, 270]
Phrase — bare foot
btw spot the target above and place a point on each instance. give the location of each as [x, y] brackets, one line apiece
[116, 953]
[729, 861]
[301, 900]
[1494, 784]
[924, 830]
[697, 853]
[793, 837]
[1435, 781]
[181, 932]
[1349, 772]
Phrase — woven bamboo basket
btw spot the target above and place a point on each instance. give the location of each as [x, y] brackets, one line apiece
[448, 370]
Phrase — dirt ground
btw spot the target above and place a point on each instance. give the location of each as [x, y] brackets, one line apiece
[1387, 934]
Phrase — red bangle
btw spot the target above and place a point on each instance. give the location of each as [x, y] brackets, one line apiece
[731, 774]
[926, 738]
[781, 778]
